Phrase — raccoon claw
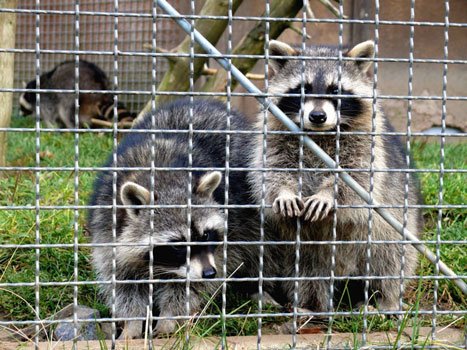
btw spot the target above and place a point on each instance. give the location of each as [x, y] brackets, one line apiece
[287, 205]
[316, 207]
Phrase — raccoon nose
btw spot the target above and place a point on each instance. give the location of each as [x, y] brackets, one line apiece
[317, 117]
[209, 272]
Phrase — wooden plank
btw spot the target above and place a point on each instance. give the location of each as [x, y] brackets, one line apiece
[362, 9]
[7, 62]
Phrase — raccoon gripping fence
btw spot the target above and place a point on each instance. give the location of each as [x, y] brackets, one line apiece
[250, 87]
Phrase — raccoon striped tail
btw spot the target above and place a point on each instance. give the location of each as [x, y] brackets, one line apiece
[107, 112]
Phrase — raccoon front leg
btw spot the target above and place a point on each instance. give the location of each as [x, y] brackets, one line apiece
[311, 295]
[171, 301]
[131, 330]
[386, 262]
[131, 301]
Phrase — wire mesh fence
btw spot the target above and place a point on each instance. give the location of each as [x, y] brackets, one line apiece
[305, 214]
[57, 28]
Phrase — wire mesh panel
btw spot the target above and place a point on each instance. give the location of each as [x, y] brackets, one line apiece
[96, 38]
[261, 191]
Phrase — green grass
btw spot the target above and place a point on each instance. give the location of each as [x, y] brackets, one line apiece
[56, 226]
[453, 222]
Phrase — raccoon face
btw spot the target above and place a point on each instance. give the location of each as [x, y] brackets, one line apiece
[27, 99]
[322, 78]
[171, 232]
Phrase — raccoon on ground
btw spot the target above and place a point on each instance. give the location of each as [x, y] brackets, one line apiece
[170, 228]
[392, 261]
[58, 109]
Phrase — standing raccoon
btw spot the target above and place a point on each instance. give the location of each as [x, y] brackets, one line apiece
[316, 204]
[171, 228]
[58, 109]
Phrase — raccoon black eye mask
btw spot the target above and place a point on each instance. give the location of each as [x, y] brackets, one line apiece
[175, 255]
[291, 105]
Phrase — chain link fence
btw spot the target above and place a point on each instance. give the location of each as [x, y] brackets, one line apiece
[265, 281]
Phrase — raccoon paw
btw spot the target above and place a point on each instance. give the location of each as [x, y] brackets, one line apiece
[373, 310]
[131, 330]
[266, 299]
[166, 327]
[317, 207]
[287, 205]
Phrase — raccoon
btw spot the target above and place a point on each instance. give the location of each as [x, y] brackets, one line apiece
[171, 228]
[106, 113]
[315, 207]
[58, 109]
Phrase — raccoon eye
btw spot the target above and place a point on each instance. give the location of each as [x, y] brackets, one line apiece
[210, 235]
[298, 89]
[179, 248]
[333, 90]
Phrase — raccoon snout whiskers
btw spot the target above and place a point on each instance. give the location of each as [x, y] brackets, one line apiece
[317, 117]
[210, 272]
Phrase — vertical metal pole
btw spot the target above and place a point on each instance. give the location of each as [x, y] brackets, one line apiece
[439, 223]
[37, 176]
[149, 318]
[226, 178]
[190, 165]
[76, 177]
[114, 173]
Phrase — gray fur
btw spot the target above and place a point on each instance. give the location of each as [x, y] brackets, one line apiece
[170, 187]
[315, 207]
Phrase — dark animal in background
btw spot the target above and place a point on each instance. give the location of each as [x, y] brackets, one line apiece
[133, 187]
[58, 109]
[315, 207]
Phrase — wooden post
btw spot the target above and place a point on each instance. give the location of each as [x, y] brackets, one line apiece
[361, 9]
[7, 62]
[252, 43]
[177, 76]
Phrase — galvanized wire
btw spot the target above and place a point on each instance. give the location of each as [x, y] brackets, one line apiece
[439, 222]
[264, 129]
[37, 180]
[114, 176]
[125, 87]
[226, 180]
[76, 176]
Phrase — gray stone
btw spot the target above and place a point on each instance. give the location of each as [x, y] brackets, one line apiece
[85, 330]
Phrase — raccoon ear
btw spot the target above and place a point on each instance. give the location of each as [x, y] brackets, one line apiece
[133, 194]
[279, 48]
[363, 50]
[208, 183]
